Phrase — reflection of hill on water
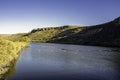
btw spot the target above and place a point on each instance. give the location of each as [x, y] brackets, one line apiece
[11, 70]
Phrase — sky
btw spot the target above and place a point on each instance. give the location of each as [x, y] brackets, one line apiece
[17, 16]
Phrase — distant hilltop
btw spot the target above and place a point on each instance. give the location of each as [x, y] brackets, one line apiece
[107, 34]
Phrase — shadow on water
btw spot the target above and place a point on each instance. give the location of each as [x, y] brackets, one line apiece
[116, 61]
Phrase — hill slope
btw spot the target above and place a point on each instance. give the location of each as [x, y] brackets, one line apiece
[107, 34]
[52, 33]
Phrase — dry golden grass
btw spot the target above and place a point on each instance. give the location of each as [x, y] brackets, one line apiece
[9, 50]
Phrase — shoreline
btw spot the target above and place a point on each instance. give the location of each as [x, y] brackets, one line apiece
[10, 52]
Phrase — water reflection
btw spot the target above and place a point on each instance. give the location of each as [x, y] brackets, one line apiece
[116, 60]
[11, 70]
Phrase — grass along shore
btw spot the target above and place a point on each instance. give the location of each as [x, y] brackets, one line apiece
[8, 52]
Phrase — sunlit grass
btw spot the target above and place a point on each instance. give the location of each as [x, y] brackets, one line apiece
[51, 33]
[9, 50]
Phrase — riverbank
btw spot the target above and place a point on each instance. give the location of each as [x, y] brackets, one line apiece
[8, 53]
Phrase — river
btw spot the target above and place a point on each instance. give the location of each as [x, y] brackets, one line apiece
[47, 61]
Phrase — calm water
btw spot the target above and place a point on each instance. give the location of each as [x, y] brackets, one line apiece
[42, 61]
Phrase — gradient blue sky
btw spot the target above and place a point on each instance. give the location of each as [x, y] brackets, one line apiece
[23, 15]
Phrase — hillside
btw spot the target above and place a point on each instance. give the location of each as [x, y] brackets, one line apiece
[52, 33]
[106, 34]
[9, 52]
[19, 37]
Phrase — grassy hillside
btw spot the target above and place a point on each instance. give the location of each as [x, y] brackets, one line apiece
[4, 35]
[8, 53]
[19, 37]
[106, 34]
[9, 50]
[48, 34]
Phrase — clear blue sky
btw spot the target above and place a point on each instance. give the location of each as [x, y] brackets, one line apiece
[23, 15]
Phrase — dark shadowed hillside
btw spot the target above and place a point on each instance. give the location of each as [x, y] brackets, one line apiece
[107, 34]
